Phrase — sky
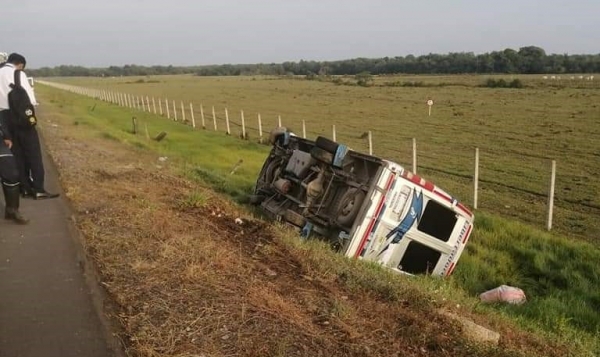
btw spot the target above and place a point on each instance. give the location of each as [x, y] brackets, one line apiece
[101, 33]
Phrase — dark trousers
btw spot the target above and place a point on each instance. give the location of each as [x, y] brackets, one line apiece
[8, 166]
[28, 152]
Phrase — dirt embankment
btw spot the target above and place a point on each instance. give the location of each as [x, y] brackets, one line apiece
[188, 280]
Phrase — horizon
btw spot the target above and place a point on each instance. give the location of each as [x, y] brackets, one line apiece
[189, 33]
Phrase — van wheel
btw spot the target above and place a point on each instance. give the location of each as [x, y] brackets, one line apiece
[326, 144]
[348, 206]
[272, 171]
[322, 155]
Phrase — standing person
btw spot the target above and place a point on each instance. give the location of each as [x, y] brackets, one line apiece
[26, 148]
[9, 174]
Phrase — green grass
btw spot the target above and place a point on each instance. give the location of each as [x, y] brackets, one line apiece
[560, 275]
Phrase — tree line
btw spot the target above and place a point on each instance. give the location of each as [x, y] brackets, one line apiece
[526, 60]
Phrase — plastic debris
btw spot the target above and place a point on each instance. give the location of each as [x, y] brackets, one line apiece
[504, 293]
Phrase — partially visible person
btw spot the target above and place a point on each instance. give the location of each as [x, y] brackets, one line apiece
[26, 144]
[9, 174]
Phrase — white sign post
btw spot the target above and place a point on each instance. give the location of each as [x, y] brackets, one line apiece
[430, 104]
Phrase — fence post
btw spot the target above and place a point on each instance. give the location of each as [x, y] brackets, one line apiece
[243, 126]
[154, 105]
[414, 162]
[182, 112]
[551, 195]
[202, 116]
[279, 120]
[476, 179]
[143, 104]
[304, 129]
[370, 143]
[333, 132]
[214, 117]
[192, 114]
[227, 121]
[260, 134]
[174, 110]
[167, 106]
[160, 107]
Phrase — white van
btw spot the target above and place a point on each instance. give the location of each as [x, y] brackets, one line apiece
[367, 207]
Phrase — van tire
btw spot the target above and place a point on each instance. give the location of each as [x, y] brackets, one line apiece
[327, 145]
[348, 206]
[322, 155]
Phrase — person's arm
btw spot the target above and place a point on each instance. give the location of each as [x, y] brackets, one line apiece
[25, 84]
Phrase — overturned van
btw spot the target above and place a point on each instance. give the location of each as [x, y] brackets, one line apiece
[366, 207]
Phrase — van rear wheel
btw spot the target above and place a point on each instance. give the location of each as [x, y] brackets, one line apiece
[349, 206]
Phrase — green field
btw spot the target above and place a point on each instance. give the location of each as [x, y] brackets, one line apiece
[559, 275]
[518, 131]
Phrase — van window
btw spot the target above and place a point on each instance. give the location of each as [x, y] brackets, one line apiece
[419, 259]
[437, 221]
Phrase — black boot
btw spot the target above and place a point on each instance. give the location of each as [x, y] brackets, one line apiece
[12, 197]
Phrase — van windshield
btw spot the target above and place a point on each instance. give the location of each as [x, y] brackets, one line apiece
[437, 221]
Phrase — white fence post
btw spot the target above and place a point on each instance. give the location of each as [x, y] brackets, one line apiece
[333, 132]
[243, 126]
[174, 110]
[160, 107]
[154, 105]
[167, 106]
[148, 103]
[551, 195]
[192, 114]
[182, 112]
[202, 116]
[279, 120]
[414, 161]
[260, 133]
[370, 143]
[214, 117]
[143, 104]
[304, 129]
[476, 179]
[227, 121]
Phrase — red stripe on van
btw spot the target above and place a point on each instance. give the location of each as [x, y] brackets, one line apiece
[447, 198]
[450, 269]
[467, 235]
[465, 209]
[372, 223]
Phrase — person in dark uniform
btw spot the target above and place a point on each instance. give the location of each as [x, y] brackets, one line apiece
[26, 148]
[9, 174]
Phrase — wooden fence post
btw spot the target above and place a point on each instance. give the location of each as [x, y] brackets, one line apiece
[551, 195]
[227, 121]
[476, 179]
[167, 106]
[333, 132]
[370, 143]
[154, 105]
[214, 117]
[174, 110]
[414, 161]
[148, 104]
[304, 129]
[192, 114]
[279, 120]
[202, 116]
[243, 126]
[160, 107]
[260, 133]
[182, 112]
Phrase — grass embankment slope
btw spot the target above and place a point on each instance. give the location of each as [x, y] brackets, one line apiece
[189, 280]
